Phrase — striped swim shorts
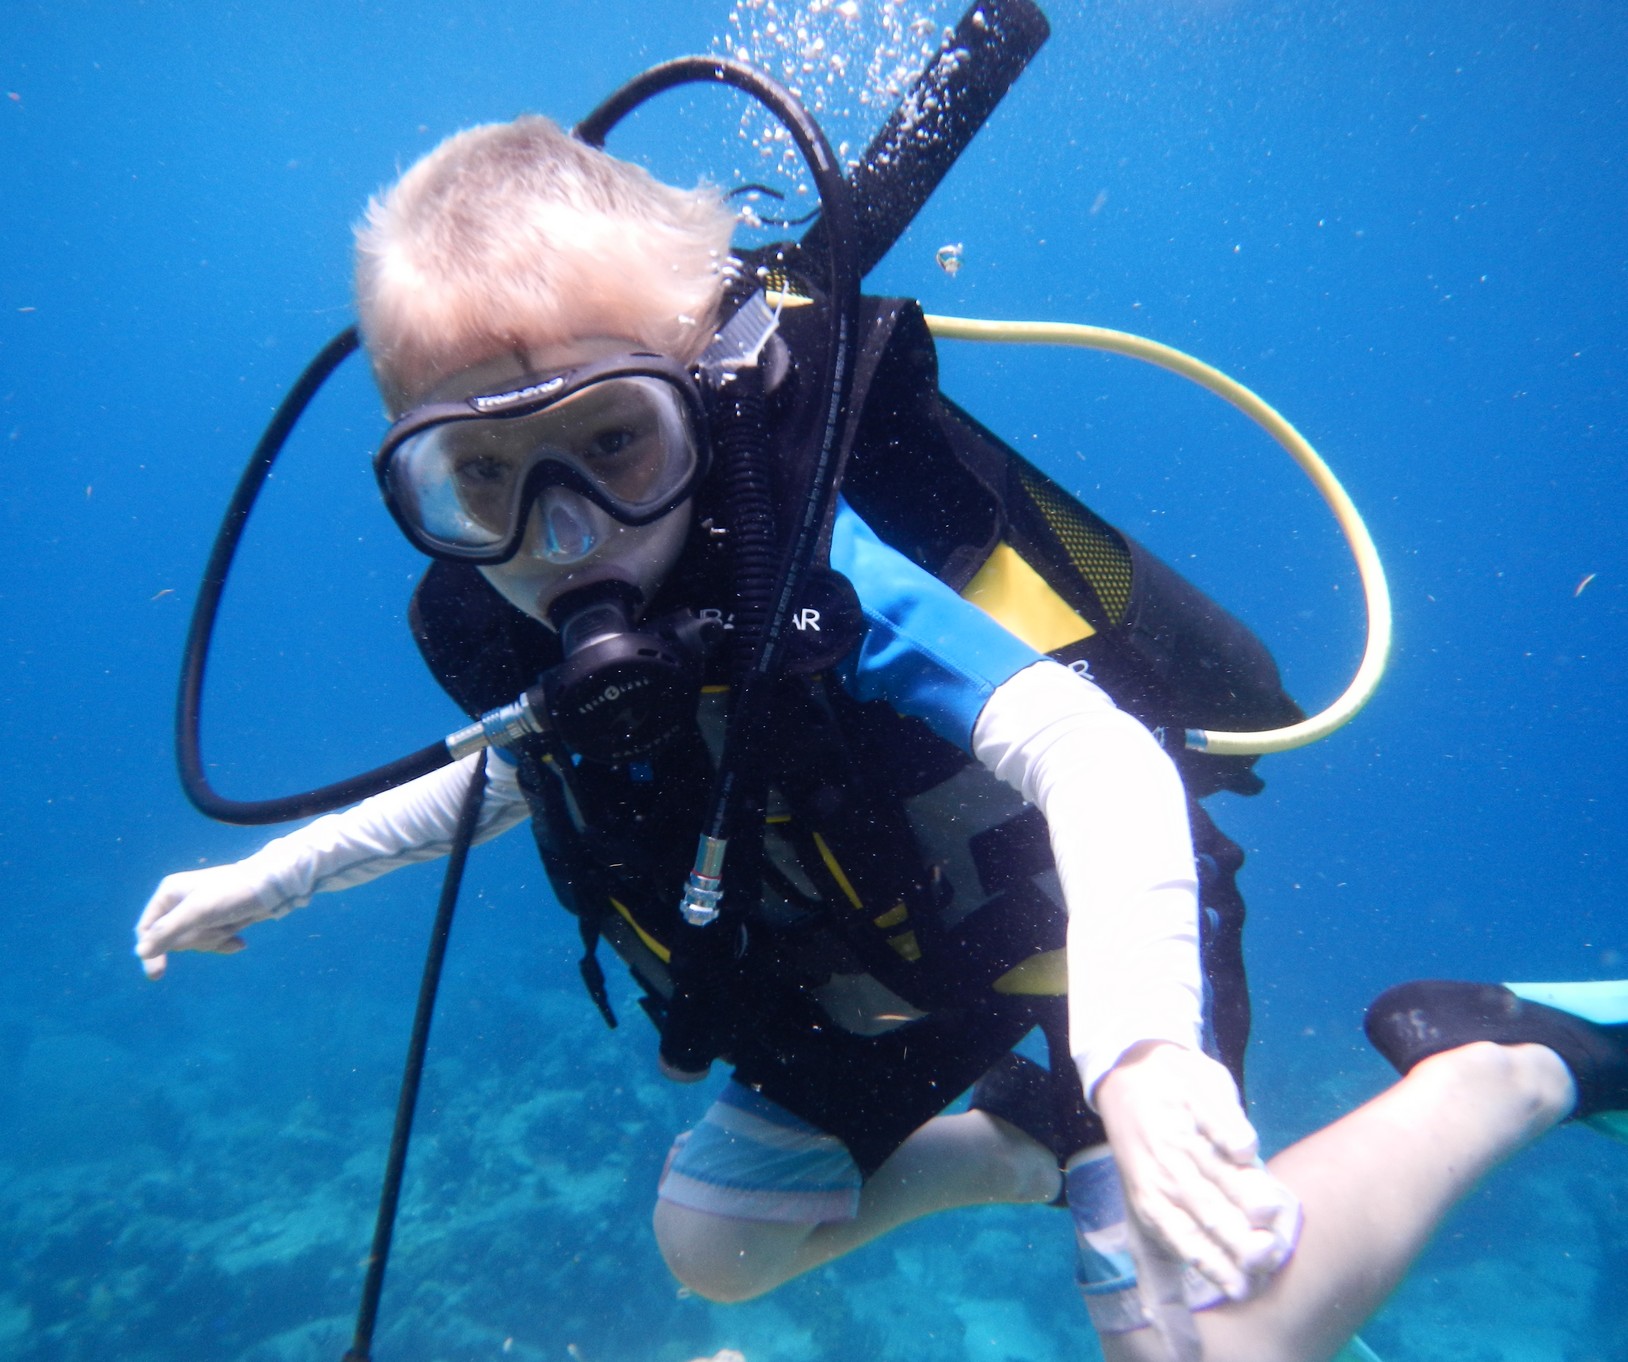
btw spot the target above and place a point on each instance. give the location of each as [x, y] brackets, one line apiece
[751, 1159]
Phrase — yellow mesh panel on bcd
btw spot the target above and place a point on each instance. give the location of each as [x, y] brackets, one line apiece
[1097, 556]
[1017, 597]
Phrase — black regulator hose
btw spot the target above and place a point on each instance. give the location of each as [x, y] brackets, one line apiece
[834, 381]
[739, 449]
[189, 703]
[429, 985]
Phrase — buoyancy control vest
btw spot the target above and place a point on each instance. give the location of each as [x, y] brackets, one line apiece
[896, 876]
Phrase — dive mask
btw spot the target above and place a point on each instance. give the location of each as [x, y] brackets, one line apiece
[627, 432]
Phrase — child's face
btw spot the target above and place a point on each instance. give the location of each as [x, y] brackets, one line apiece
[569, 541]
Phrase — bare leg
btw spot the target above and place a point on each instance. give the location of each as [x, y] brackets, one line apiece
[967, 1160]
[1375, 1185]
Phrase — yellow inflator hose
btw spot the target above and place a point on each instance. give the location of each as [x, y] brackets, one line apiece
[1375, 592]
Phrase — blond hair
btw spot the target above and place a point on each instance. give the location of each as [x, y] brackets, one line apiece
[514, 235]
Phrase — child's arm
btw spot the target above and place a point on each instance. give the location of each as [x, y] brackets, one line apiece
[1120, 836]
[205, 910]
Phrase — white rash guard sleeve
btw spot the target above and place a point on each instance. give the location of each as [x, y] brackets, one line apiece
[1117, 816]
[411, 823]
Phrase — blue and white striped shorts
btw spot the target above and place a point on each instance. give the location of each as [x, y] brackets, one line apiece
[751, 1159]
[1105, 1271]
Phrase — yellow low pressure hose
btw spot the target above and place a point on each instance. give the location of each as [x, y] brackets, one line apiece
[1369, 568]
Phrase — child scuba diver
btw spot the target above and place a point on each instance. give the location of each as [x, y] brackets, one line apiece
[947, 812]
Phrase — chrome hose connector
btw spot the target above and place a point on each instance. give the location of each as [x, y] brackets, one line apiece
[705, 888]
[499, 728]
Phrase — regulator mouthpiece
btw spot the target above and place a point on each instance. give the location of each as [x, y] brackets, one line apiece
[622, 692]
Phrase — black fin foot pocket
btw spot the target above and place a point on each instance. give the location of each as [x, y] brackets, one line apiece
[1413, 1021]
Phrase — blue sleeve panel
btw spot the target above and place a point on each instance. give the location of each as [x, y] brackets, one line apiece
[926, 651]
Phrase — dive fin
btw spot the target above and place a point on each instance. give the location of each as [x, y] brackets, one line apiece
[1605, 1003]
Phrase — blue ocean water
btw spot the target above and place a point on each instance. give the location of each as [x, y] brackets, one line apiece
[1401, 223]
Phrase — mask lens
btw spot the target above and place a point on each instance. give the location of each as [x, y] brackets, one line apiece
[458, 485]
[466, 484]
[629, 437]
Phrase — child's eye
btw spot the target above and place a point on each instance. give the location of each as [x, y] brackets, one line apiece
[608, 443]
[483, 470]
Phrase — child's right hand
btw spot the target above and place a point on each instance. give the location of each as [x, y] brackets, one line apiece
[1194, 1184]
[199, 910]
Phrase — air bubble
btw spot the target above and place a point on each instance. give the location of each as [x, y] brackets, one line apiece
[848, 60]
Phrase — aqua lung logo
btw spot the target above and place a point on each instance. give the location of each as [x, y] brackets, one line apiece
[612, 693]
[495, 401]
